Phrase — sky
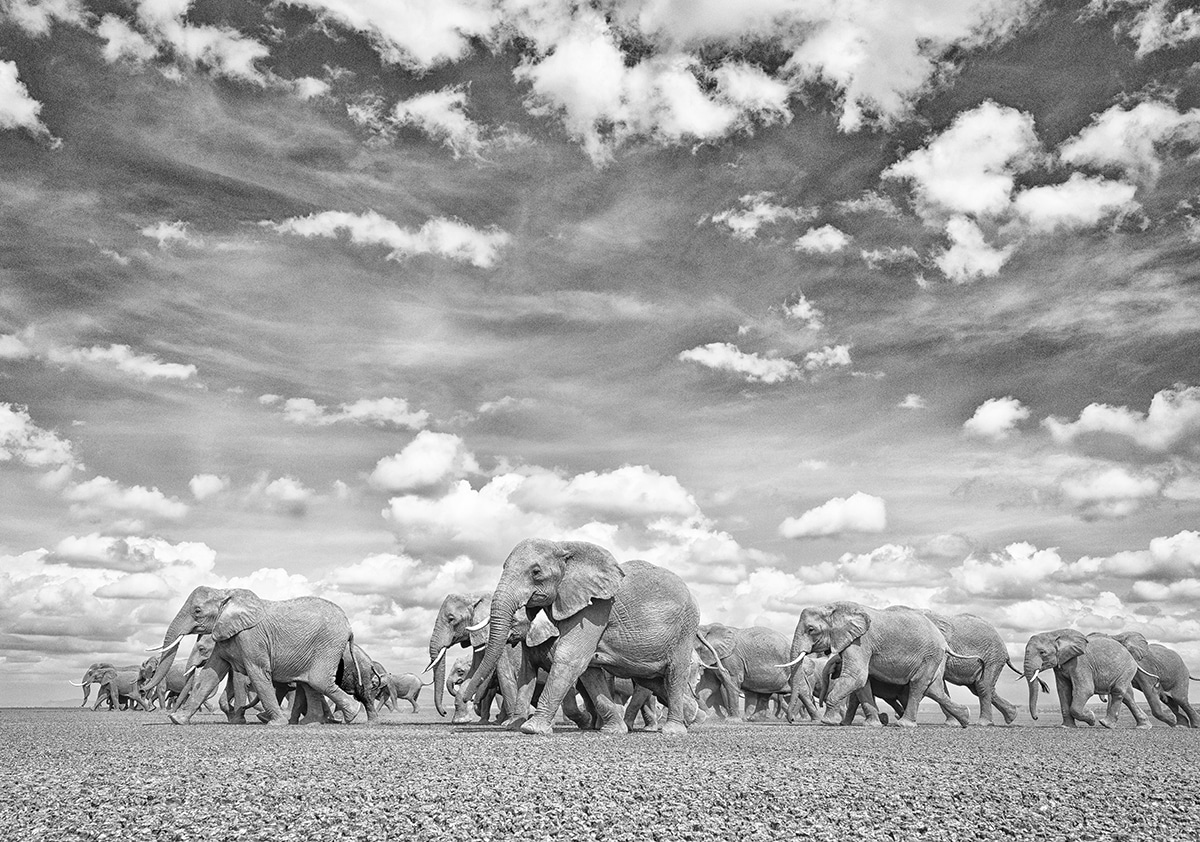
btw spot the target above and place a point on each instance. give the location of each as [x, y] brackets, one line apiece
[892, 301]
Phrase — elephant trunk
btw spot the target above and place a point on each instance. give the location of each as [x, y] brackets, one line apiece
[505, 603]
[180, 626]
[1033, 697]
[439, 642]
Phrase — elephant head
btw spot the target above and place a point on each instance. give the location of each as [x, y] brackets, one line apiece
[458, 674]
[828, 629]
[223, 613]
[1048, 650]
[104, 674]
[378, 678]
[714, 643]
[462, 619]
[561, 576]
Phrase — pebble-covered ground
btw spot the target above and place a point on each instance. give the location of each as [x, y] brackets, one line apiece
[79, 775]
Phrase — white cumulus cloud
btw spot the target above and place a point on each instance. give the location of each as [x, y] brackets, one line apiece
[431, 459]
[996, 418]
[857, 513]
[1172, 421]
[823, 240]
[724, 356]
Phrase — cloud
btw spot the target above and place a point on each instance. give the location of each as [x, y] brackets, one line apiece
[724, 356]
[18, 110]
[124, 43]
[1172, 422]
[101, 496]
[222, 50]
[913, 401]
[969, 256]
[1079, 203]
[1168, 559]
[1154, 25]
[442, 114]
[970, 168]
[408, 581]
[1108, 492]
[428, 461]
[823, 240]
[996, 418]
[378, 412]
[285, 494]
[438, 236]
[204, 486]
[857, 513]
[831, 356]
[141, 366]
[29, 444]
[1019, 572]
[877, 258]
[37, 16]
[13, 348]
[168, 233]
[1132, 139]
[890, 564]
[803, 310]
[129, 554]
[757, 210]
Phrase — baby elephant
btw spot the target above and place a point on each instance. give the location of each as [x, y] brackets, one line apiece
[1083, 666]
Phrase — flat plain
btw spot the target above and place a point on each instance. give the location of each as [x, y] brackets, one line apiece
[83, 775]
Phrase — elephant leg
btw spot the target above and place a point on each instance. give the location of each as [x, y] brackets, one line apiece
[508, 673]
[598, 685]
[344, 702]
[681, 703]
[260, 681]
[526, 687]
[854, 677]
[1181, 705]
[412, 701]
[1065, 696]
[938, 692]
[227, 703]
[205, 681]
[578, 638]
[571, 710]
[313, 706]
[1082, 689]
[1119, 696]
[1149, 689]
[462, 705]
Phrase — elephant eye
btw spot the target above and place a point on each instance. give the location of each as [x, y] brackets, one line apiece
[537, 574]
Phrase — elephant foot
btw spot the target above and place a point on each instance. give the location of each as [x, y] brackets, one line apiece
[463, 718]
[514, 723]
[236, 720]
[616, 727]
[906, 723]
[177, 720]
[538, 725]
[831, 719]
[277, 722]
[671, 728]
[1104, 723]
[1146, 726]
[986, 723]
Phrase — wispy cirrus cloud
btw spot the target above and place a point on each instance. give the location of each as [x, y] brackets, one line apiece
[125, 360]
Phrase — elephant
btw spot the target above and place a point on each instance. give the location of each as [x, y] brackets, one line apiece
[897, 645]
[118, 685]
[986, 657]
[1083, 665]
[634, 620]
[745, 661]
[167, 693]
[896, 695]
[462, 620]
[355, 675]
[392, 688]
[460, 673]
[1172, 684]
[272, 642]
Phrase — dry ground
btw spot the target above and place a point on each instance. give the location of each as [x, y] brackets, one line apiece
[79, 775]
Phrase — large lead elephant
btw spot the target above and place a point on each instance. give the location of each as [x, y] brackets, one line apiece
[273, 642]
[896, 645]
[1083, 665]
[117, 685]
[1172, 684]
[985, 658]
[749, 663]
[633, 620]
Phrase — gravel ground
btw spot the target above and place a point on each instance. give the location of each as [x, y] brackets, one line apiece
[79, 775]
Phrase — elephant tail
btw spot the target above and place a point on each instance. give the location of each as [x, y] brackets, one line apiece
[1008, 663]
[358, 678]
[982, 663]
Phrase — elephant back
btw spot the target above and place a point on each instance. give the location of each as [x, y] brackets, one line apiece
[1110, 662]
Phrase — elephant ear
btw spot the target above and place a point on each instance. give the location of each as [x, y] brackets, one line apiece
[721, 639]
[1136, 643]
[242, 610]
[847, 624]
[479, 614]
[1071, 644]
[589, 572]
[541, 629]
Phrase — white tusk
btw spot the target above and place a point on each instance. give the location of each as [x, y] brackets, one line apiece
[73, 684]
[168, 648]
[482, 624]
[190, 670]
[434, 662]
[792, 662]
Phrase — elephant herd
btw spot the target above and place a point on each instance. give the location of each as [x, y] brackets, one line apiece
[568, 627]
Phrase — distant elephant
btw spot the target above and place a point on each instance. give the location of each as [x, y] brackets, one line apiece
[167, 693]
[986, 657]
[1172, 684]
[896, 645]
[118, 686]
[1083, 665]
[749, 663]
[272, 642]
[633, 620]
[393, 688]
[463, 620]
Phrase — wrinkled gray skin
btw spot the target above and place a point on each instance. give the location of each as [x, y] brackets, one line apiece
[634, 620]
[165, 694]
[457, 614]
[1082, 667]
[1168, 696]
[895, 695]
[118, 686]
[978, 639]
[354, 675]
[750, 661]
[459, 674]
[393, 688]
[897, 645]
[300, 640]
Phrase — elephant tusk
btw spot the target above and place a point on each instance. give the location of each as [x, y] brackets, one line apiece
[168, 647]
[793, 662]
[1147, 672]
[73, 684]
[434, 662]
[482, 624]
[190, 670]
